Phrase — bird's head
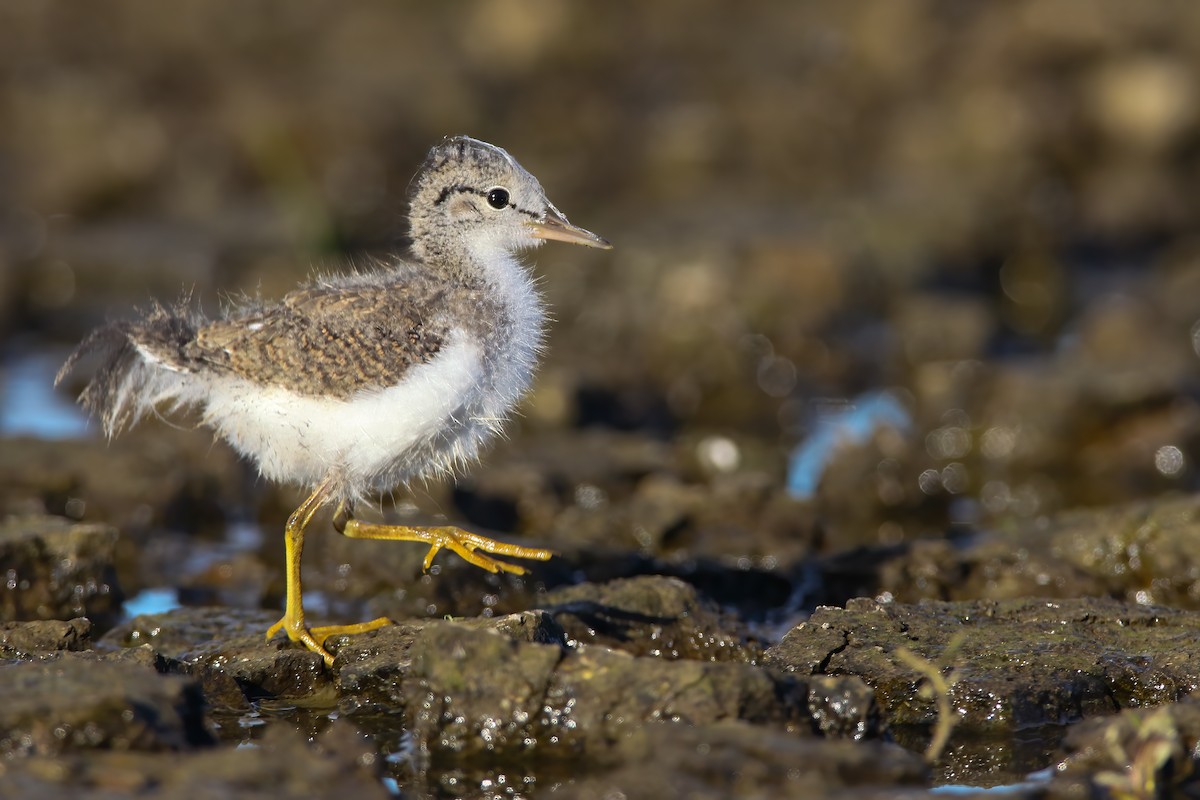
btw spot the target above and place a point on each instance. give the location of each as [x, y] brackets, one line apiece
[473, 196]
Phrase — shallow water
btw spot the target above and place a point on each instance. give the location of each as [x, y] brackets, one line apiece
[29, 403]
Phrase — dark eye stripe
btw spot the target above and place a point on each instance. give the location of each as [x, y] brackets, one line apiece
[459, 188]
[454, 189]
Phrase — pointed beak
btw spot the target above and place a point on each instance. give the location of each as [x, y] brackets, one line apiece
[555, 226]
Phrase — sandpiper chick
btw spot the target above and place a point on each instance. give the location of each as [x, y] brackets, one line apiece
[360, 383]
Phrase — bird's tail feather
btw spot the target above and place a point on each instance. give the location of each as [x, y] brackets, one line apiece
[140, 365]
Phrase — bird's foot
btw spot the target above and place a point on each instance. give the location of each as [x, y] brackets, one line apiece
[470, 546]
[467, 545]
[314, 638]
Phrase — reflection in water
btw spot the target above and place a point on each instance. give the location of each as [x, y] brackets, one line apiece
[29, 404]
[152, 601]
[857, 423]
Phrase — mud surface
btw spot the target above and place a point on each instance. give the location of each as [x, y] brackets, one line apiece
[869, 453]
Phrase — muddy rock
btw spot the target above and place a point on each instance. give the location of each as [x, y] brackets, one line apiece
[1009, 566]
[870, 494]
[1144, 552]
[1137, 753]
[25, 641]
[595, 493]
[843, 707]
[371, 669]
[1012, 665]
[474, 691]
[477, 690]
[151, 477]
[1035, 436]
[494, 684]
[168, 491]
[227, 652]
[528, 486]
[57, 569]
[603, 690]
[940, 326]
[505, 685]
[283, 764]
[733, 759]
[743, 518]
[650, 616]
[1148, 552]
[81, 701]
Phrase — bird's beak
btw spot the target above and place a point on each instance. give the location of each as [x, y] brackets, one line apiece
[555, 226]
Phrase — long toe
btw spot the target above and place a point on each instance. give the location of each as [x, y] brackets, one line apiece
[325, 632]
[468, 545]
[475, 541]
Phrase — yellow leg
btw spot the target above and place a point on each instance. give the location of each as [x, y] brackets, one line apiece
[465, 543]
[293, 615]
[462, 542]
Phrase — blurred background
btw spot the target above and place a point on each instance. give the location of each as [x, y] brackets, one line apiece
[882, 270]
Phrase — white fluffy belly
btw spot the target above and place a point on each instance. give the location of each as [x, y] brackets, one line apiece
[373, 440]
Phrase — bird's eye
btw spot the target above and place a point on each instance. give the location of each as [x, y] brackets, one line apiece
[498, 198]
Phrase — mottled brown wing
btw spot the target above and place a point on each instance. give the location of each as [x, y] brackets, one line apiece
[326, 340]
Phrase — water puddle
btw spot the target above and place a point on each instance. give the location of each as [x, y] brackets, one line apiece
[854, 423]
[158, 600]
[29, 403]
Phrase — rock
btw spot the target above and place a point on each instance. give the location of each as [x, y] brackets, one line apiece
[1148, 552]
[469, 688]
[371, 669]
[650, 616]
[604, 690]
[477, 690]
[1012, 665]
[493, 684]
[80, 701]
[226, 650]
[1137, 753]
[940, 326]
[733, 759]
[147, 479]
[843, 707]
[1011, 566]
[57, 569]
[469, 691]
[281, 764]
[1144, 552]
[27, 640]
